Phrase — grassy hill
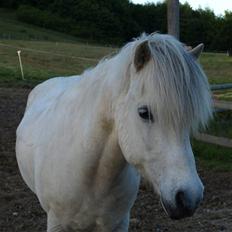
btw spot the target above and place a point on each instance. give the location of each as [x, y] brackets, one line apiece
[46, 53]
[11, 28]
[42, 60]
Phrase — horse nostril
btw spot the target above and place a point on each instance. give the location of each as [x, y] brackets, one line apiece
[180, 200]
[184, 204]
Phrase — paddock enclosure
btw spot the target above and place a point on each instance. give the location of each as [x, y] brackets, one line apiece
[20, 210]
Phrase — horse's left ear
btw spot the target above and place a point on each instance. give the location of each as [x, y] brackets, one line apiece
[196, 52]
[142, 55]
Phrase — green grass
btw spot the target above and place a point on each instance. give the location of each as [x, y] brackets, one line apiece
[218, 67]
[213, 156]
[46, 53]
[44, 59]
[225, 95]
[221, 125]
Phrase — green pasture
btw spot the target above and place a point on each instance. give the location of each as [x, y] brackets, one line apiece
[47, 54]
[213, 156]
[45, 59]
[218, 67]
[221, 125]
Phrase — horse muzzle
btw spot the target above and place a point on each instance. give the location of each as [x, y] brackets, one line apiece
[184, 205]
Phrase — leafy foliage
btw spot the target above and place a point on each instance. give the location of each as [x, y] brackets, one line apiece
[43, 18]
[118, 21]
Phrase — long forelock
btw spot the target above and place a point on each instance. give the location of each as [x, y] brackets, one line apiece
[173, 82]
[175, 85]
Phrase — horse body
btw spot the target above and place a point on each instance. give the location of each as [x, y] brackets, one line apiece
[75, 184]
[83, 140]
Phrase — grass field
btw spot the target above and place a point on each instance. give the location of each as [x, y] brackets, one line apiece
[44, 59]
[218, 67]
[46, 54]
[213, 156]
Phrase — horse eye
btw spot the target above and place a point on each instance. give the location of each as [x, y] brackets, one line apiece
[145, 114]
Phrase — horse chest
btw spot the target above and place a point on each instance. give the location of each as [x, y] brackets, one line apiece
[104, 211]
[97, 216]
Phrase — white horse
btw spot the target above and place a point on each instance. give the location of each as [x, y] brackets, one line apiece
[84, 140]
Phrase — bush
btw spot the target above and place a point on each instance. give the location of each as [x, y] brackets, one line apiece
[93, 30]
[43, 18]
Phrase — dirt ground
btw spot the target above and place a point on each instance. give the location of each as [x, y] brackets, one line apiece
[21, 212]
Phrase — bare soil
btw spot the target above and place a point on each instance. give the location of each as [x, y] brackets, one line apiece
[20, 210]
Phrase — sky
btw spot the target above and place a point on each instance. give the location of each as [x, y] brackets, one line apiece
[218, 6]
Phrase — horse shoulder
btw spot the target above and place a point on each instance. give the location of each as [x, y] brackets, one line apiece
[34, 127]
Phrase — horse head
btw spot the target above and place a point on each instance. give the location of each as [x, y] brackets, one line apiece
[167, 98]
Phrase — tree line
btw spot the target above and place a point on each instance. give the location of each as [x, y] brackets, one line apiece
[118, 21]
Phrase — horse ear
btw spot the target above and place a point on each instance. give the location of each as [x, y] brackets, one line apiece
[196, 52]
[142, 55]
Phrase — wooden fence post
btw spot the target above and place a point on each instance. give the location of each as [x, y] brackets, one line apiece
[173, 18]
[230, 52]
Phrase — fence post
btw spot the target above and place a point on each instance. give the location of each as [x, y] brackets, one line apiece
[230, 52]
[20, 64]
[173, 18]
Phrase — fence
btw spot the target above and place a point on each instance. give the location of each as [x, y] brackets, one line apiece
[218, 104]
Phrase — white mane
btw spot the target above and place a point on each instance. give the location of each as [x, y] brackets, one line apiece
[174, 83]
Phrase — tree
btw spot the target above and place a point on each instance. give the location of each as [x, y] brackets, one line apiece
[119, 21]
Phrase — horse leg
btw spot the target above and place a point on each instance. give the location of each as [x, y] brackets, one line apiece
[53, 224]
[123, 225]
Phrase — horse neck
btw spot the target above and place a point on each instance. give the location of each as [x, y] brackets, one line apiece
[109, 164]
[106, 82]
